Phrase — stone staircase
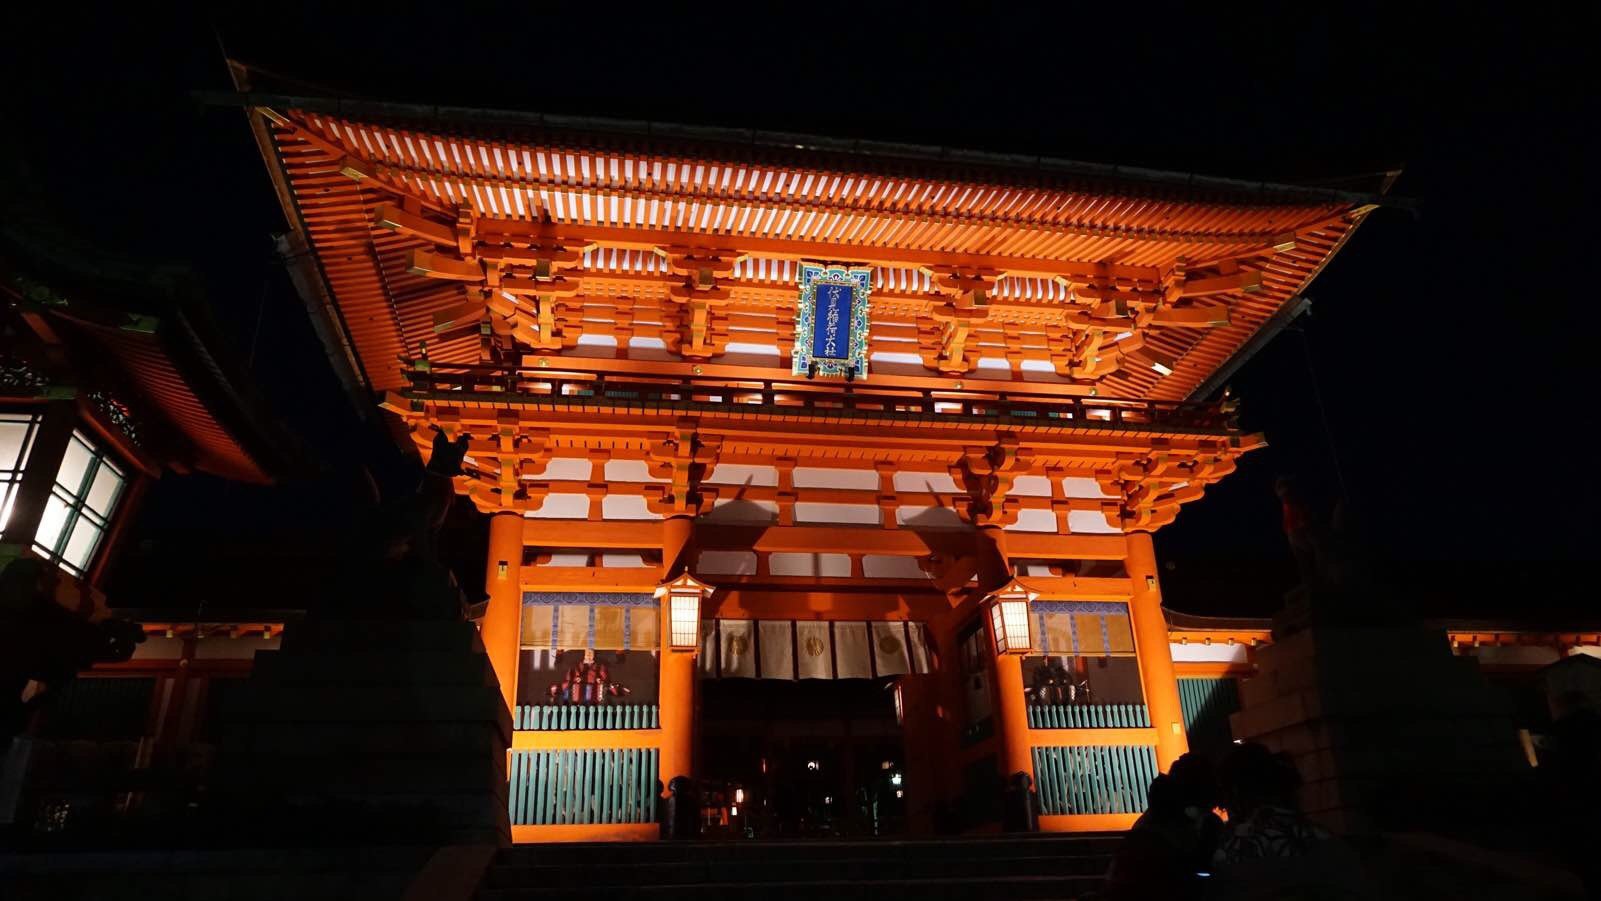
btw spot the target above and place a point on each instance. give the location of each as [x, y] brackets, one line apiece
[983, 867]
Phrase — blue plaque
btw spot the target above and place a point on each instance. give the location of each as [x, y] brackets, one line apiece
[831, 336]
[831, 322]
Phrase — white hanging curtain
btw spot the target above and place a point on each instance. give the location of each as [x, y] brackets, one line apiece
[810, 649]
[737, 647]
[814, 644]
[777, 649]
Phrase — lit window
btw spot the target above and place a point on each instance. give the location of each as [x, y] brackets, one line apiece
[88, 486]
[17, 431]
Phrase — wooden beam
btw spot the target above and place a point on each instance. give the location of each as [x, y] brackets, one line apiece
[1247, 280]
[821, 539]
[392, 217]
[649, 239]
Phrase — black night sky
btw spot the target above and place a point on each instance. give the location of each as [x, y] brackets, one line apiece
[1453, 350]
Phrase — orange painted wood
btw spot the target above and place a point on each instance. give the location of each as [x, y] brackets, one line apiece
[578, 739]
[1039, 738]
[1088, 822]
[597, 832]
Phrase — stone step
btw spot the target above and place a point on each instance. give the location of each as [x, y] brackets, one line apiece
[958, 848]
[799, 870]
[984, 888]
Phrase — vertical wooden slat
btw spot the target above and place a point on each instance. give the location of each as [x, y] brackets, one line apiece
[630, 784]
[1076, 781]
[648, 794]
[1058, 780]
[619, 811]
[564, 785]
[515, 793]
[542, 765]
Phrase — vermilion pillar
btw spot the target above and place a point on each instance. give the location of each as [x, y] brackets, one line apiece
[677, 690]
[1011, 711]
[1155, 654]
[1017, 755]
[502, 581]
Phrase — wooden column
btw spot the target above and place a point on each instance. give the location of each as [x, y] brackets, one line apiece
[676, 700]
[925, 750]
[1011, 716]
[1157, 678]
[503, 620]
[1011, 709]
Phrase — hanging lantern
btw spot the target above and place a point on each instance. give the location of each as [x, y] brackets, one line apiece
[1009, 619]
[681, 602]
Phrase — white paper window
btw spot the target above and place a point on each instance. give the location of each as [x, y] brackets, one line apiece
[17, 431]
[88, 487]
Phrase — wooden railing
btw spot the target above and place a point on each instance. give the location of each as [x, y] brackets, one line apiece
[550, 717]
[583, 787]
[1088, 716]
[438, 382]
[1094, 779]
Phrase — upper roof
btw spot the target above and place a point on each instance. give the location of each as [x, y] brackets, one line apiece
[1109, 242]
[137, 338]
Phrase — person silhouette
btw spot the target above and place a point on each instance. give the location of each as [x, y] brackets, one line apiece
[1167, 852]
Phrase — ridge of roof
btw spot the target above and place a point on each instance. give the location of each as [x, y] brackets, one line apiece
[104, 288]
[1036, 164]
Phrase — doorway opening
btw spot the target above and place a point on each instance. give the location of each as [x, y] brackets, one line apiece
[805, 759]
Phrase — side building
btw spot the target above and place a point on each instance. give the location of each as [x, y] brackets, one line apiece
[111, 376]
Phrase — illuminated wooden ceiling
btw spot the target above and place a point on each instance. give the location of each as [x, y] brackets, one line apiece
[493, 242]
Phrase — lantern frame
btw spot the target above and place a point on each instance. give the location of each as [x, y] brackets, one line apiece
[1011, 626]
[681, 602]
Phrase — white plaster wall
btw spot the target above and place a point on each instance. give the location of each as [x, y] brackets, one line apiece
[736, 510]
[646, 343]
[567, 560]
[939, 482]
[1079, 486]
[563, 506]
[744, 347]
[1033, 521]
[929, 517]
[734, 474]
[834, 565]
[624, 561]
[888, 356]
[591, 339]
[734, 563]
[877, 566]
[865, 514]
[1217, 652]
[817, 477]
[1089, 522]
[629, 471]
[574, 469]
[626, 506]
[1031, 486]
[242, 648]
